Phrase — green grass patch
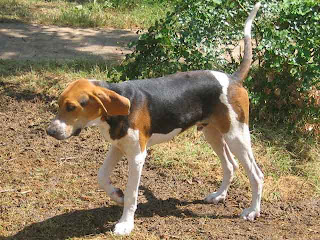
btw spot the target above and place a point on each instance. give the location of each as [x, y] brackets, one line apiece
[188, 155]
[108, 14]
[14, 10]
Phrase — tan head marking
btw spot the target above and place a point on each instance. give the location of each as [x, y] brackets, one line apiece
[82, 102]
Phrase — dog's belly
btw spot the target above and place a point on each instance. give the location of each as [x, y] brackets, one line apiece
[160, 138]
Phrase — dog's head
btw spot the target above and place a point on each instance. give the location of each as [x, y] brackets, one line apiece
[81, 103]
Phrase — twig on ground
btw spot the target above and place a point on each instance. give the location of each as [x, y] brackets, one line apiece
[24, 192]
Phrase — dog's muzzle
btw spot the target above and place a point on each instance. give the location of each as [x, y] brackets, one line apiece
[59, 130]
[58, 135]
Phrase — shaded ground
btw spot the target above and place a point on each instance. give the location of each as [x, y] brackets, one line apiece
[48, 189]
[22, 41]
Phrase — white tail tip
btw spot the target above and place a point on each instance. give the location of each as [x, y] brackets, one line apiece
[247, 26]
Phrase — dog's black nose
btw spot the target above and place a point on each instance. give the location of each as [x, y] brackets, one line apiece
[51, 132]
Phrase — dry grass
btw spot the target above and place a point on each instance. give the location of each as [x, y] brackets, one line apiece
[189, 157]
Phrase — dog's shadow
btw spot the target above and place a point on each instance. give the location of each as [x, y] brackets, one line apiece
[96, 221]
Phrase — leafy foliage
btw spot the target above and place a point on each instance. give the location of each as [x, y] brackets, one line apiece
[203, 34]
[286, 85]
[187, 39]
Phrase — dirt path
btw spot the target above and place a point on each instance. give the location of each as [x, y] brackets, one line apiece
[22, 41]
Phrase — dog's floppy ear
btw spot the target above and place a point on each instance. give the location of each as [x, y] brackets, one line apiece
[111, 102]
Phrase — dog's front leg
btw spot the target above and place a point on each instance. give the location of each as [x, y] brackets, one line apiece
[126, 223]
[113, 157]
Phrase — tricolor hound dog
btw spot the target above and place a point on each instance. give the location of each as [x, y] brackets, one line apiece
[135, 115]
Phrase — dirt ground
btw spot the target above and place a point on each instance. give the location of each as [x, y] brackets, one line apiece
[48, 189]
[23, 41]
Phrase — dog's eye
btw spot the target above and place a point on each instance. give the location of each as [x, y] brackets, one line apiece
[84, 102]
[70, 107]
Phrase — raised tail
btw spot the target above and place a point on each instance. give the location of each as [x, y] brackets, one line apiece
[244, 67]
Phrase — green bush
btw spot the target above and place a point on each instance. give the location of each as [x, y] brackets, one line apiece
[188, 38]
[284, 83]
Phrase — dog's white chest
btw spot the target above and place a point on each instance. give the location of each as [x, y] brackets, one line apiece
[105, 131]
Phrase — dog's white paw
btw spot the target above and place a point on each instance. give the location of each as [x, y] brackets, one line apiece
[215, 198]
[117, 196]
[250, 214]
[123, 228]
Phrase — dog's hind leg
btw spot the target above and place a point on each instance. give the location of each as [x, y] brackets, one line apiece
[229, 165]
[238, 139]
[113, 157]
